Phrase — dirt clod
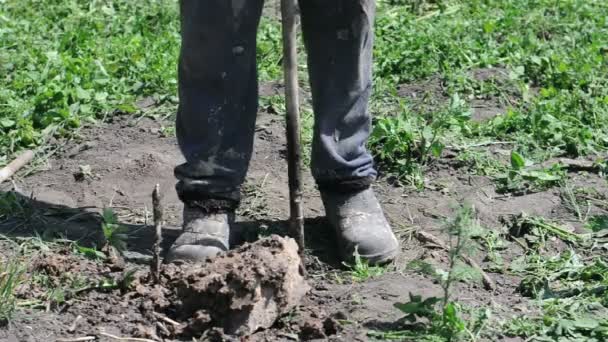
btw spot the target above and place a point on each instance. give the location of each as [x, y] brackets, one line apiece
[241, 291]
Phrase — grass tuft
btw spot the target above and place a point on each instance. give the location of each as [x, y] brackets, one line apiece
[11, 276]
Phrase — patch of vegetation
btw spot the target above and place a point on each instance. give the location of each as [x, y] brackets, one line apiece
[11, 276]
[555, 57]
[521, 178]
[361, 270]
[535, 231]
[571, 295]
[405, 142]
[480, 163]
[114, 233]
[13, 205]
[597, 223]
[28, 281]
[66, 62]
[441, 318]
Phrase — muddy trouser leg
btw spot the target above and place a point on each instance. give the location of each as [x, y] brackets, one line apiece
[338, 35]
[218, 99]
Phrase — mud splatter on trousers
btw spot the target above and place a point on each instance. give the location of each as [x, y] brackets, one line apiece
[218, 92]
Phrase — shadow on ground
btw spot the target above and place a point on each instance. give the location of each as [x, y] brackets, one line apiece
[25, 217]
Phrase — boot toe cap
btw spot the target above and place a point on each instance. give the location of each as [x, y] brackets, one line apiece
[375, 249]
[192, 253]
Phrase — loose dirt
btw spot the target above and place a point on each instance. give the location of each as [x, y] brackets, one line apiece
[117, 165]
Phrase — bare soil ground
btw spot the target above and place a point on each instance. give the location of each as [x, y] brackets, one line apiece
[116, 164]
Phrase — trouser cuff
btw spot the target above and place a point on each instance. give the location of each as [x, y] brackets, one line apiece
[346, 185]
[206, 199]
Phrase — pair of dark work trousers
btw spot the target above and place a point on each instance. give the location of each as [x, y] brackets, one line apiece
[218, 93]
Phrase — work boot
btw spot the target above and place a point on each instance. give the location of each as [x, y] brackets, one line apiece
[204, 235]
[360, 226]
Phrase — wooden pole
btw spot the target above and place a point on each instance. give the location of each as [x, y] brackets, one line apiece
[289, 13]
[158, 226]
[9, 170]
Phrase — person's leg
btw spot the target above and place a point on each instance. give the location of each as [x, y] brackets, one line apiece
[216, 117]
[339, 39]
[218, 96]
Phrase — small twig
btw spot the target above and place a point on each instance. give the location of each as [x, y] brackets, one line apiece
[72, 327]
[520, 243]
[9, 170]
[448, 11]
[158, 225]
[163, 328]
[126, 339]
[424, 237]
[482, 144]
[166, 319]
[77, 339]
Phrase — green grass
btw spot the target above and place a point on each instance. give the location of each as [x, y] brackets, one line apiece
[570, 293]
[361, 270]
[65, 62]
[11, 276]
[555, 52]
[68, 61]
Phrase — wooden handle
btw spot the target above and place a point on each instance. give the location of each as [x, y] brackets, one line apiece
[9, 170]
[158, 227]
[289, 12]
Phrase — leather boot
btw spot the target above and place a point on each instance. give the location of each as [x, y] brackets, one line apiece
[204, 235]
[360, 225]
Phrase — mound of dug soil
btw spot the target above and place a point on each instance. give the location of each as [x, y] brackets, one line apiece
[241, 291]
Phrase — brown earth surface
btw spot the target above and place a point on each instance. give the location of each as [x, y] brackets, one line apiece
[117, 164]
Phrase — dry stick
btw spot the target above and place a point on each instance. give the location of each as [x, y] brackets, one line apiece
[163, 328]
[158, 225]
[77, 339]
[166, 319]
[9, 170]
[488, 283]
[72, 327]
[125, 339]
[289, 12]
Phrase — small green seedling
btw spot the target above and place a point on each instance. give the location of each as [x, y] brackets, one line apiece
[443, 319]
[114, 233]
[361, 270]
[522, 179]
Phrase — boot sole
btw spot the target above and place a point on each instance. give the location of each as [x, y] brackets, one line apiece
[382, 258]
[375, 259]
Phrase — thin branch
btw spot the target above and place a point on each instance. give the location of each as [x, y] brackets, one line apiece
[166, 319]
[77, 339]
[125, 339]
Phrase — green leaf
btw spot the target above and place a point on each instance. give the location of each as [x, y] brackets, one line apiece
[83, 94]
[437, 149]
[586, 323]
[109, 216]
[427, 133]
[409, 308]
[101, 96]
[7, 123]
[517, 161]
[91, 253]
